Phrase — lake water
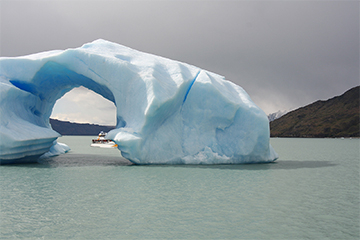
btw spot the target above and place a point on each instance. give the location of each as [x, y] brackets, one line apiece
[311, 192]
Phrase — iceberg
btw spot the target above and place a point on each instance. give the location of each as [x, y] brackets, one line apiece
[168, 112]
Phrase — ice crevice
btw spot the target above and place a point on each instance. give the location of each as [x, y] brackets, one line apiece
[191, 84]
[168, 112]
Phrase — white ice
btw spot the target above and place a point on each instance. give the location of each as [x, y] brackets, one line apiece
[168, 112]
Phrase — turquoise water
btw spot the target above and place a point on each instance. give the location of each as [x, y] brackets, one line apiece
[311, 192]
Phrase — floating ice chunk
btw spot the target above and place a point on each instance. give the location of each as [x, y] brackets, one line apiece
[168, 112]
[56, 149]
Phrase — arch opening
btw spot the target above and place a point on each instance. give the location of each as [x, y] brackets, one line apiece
[53, 81]
[49, 85]
[82, 105]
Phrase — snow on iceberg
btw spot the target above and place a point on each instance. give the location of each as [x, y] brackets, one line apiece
[168, 112]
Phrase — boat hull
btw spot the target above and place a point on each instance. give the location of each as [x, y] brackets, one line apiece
[104, 145]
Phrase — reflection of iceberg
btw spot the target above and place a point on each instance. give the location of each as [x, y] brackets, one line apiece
[167, 111]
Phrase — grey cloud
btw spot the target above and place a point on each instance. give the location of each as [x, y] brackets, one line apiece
[284, 54]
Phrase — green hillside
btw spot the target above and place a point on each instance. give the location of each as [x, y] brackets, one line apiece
[336, 117]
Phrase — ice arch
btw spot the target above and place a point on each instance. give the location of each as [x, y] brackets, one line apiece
[167, 112]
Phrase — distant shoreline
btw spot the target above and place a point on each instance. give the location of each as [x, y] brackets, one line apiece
[66, 128]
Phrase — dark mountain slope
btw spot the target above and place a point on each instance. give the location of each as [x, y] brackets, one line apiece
[336, 117]
[68, 128]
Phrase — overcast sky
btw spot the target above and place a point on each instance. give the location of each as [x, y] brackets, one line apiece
[284, 54]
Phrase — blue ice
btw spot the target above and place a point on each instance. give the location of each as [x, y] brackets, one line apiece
[168, 112]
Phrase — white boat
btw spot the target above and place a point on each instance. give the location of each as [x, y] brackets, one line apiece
[101, 142]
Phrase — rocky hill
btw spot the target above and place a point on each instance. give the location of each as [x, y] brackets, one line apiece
[336, 117]
[68, 128]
